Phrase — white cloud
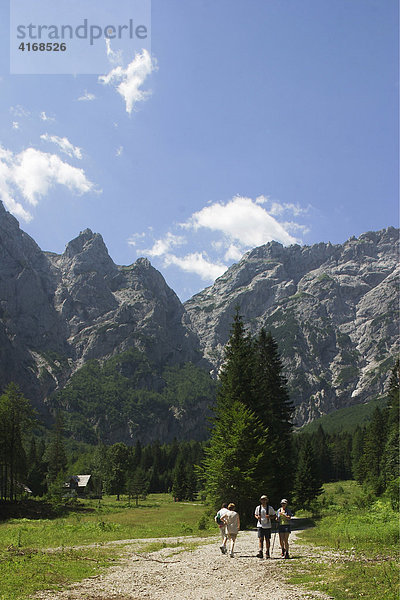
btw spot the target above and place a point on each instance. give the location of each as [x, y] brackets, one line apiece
[277, 209]
[19, 111]
[129, 81]
[119, 151]
[29, 175]
[241, 219]
[223, 232]
[296, 227]
[197, 263]
[15, 125]
[135, 237]
[162, 246]
[45, 117]
[64, 144]
[233, 253]
[115, 57]
[86, 97]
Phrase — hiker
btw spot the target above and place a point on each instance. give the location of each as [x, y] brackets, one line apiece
[232, 522]
[222, 527]
[284, 515]
[264, 513]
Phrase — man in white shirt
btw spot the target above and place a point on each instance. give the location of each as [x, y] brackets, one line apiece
[264, 513]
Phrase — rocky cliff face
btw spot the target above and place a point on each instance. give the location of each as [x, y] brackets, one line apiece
[332, 308]
[58, 311]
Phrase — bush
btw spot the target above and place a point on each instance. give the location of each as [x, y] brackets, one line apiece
[392, 493]
[202, 524]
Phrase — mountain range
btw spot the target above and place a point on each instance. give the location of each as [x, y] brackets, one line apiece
[333, 310]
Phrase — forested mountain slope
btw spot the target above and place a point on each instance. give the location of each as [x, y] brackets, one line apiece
[332, 310]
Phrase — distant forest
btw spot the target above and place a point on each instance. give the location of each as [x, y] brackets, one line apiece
[252, 447]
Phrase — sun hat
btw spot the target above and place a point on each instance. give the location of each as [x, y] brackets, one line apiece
[264, 497]
[284, 501]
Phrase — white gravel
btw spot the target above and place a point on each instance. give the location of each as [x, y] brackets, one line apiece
[202, 574]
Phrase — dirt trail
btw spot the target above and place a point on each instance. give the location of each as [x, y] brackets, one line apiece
[202, 574]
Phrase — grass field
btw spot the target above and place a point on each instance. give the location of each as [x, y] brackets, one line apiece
[369, 538]
[366, 535]
[26, 565]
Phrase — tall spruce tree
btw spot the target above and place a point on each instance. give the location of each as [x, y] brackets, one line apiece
[390, 456]
[233, 459]
[307, 485]
[55, 452]
[323, 454]
[369, 467]
[271, 403]
[356, 451]
[234, 465]
[236, 375]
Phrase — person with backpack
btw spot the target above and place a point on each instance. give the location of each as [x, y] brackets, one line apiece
[284, 515]
[222, 527]
[264, 514]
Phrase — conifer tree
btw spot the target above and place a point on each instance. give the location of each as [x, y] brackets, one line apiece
[374, 443]
[323, 454]
[235, 466]
[357, 451]
[16, 417]
[55, 452]
[179, 482]
[137, 484]
[271, 403]
[232, 461]
[36, 473]
[390, 456]
[236, 375]
[117, 467]
[307, 485]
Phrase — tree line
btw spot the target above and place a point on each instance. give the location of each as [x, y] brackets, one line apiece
[252, 448]
[44, 466]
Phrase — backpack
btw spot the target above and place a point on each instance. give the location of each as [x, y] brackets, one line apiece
[218, 519]
[271, 517]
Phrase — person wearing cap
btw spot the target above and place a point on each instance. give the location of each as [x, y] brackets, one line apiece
[284, 516]
[264, 513]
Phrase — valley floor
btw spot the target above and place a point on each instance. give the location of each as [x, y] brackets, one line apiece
[176, 573]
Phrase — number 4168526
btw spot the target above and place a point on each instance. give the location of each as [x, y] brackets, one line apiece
[42, 47]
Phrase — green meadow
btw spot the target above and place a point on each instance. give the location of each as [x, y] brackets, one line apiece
[366, 532]
[36, 554]
[362, 533]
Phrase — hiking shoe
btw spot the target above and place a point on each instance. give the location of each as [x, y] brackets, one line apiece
[267, 554]
[223, 549]
[287, 555]
[231, 554]
[260, 554]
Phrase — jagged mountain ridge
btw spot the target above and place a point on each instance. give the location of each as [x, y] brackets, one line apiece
[59, 311]
[331, 308]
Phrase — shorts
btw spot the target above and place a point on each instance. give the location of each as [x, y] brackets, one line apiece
[284, 528]
[264, 533]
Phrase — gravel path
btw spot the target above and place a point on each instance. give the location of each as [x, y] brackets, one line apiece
[201, 574]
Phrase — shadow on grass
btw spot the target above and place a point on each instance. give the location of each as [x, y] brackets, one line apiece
[38, 509]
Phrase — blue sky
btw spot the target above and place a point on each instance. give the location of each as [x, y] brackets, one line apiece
[246, 122]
